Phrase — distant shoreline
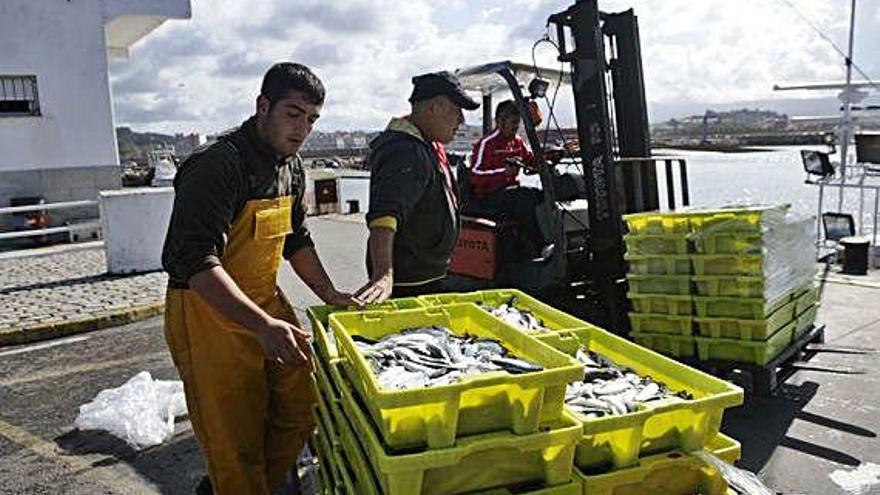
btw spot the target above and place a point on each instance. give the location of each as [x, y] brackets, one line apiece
[716, 147]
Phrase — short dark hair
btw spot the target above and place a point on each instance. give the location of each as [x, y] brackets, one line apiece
[507, 108]
[284, 77]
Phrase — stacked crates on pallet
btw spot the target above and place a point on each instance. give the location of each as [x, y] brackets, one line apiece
[749, 266]
[658, 254]
[750, 291]
[499, 434]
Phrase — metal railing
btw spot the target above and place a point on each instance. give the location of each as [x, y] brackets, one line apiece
[73, 227]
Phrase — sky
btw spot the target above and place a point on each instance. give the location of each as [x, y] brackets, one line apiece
[203, 74]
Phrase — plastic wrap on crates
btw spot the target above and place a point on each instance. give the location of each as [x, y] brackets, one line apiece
[785, 241]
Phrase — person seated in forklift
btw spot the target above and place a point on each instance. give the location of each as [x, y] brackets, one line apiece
[494, 179]
[414, 203]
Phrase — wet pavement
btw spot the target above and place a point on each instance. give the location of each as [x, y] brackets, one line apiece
[820, 422]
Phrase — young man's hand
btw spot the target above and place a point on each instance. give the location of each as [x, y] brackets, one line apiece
[284, 343]
[336, 298]
[376, 290]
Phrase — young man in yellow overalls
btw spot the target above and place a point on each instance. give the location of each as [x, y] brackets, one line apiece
[237, 345]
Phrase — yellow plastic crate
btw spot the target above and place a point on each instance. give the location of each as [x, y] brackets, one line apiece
[573, 487]
[669, 264]
[661, 304]
[657, 223]
[746, 351]
[805, 299]
[666, 324]
[618, 441]
[353, 456]
[733, 328]
[657, 244]
[806, 320]
[325, 381]
[737, 219]
[750, 308]
[671, 473]
[475, 463]
[729, 286]
[728, 243]
[552, 317]
[350, 484]
[327, 457]
[728, 264]
[325, 482]
[678, 346]
[327, 422]
[325, 344]
[488, 402]
[675, 285]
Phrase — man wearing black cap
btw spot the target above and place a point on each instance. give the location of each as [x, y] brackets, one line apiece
[413, 217]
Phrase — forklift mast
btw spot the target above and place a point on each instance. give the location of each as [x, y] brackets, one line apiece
[612, 190]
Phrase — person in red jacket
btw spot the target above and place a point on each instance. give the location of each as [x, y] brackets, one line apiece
[494, 175]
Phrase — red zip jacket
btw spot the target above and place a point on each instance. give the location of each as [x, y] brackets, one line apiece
[489, 171]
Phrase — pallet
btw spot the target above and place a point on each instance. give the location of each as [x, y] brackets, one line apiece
[765, 379]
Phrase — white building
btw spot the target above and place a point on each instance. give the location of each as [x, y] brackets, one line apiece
[57, 134]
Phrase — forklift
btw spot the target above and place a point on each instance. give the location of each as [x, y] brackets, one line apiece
[608, 171]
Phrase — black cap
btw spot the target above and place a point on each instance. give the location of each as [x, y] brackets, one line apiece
[434, 84]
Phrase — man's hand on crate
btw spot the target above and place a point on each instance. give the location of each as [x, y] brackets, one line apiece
[377, 290]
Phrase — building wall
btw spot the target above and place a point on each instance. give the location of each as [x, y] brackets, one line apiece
[69, 151]
[354, 188]
[63, 44]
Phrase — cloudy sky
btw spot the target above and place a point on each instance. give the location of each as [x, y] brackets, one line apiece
[203, 74]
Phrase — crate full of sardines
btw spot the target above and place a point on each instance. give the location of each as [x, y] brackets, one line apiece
[536, 318]
[633, 401]
[429, 376]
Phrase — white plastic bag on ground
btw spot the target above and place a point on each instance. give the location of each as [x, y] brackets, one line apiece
[141, 411]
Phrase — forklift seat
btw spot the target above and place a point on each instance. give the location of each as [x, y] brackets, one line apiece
[470, 205]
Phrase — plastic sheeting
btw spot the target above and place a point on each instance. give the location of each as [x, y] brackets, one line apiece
[787, 243]
[141, 411]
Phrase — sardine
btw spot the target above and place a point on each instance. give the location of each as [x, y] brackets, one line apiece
[432, 356]
[522, 319]
[610, 389]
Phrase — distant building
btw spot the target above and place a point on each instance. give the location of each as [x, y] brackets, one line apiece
[465, 137]
[185, 144]
[337, 140]
[56, 117]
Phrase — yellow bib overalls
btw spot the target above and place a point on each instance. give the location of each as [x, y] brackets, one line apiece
[250, 417]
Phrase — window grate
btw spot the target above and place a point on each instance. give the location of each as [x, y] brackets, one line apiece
[18, 96]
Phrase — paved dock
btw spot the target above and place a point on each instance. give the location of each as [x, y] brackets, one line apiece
[63, 290]
[818, 424]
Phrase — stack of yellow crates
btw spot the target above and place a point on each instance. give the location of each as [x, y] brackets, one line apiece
[442, 440]
[660, 271]
[751, 291]
[501, 435]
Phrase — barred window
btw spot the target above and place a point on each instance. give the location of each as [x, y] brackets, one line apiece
[18, 96]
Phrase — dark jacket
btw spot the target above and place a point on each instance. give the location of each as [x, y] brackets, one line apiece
[406, 183]
[211, 189]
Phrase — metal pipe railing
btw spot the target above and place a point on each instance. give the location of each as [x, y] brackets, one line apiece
[17, 234]
[50, 230]
[48, 206]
